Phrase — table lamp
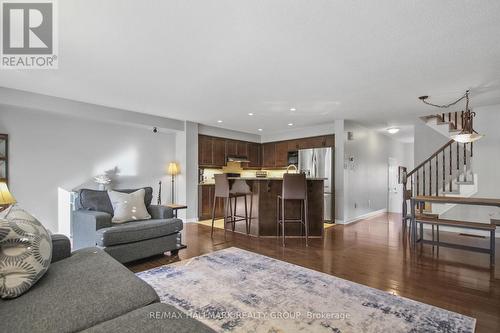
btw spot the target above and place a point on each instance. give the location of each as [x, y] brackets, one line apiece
[173, 170]
[6, 199]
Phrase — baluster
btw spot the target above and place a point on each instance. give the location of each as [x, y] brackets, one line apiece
[430, 176]
[451, 159]
[471, 145]
[456, 120]
[458, 157]
[411, 185]
[449, 117]
[465, 162]
[418, 183]
[462, 120]
[423, 179]
[437, 176]
[442, 117]
[444, 172]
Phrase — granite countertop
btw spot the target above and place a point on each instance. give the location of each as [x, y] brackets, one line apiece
[257, 178]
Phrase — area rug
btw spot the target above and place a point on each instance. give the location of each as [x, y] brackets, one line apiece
[233, 290]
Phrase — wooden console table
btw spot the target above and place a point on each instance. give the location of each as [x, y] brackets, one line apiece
[422, 219]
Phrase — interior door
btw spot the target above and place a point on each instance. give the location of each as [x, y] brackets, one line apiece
[395, 191]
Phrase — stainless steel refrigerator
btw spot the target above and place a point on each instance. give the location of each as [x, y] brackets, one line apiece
[318, 163]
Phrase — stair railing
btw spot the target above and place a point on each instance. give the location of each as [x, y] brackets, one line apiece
[435, 175]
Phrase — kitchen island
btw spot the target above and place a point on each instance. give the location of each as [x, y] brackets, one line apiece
[264, 207]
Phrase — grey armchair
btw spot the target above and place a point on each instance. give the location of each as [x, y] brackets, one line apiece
[126, 241]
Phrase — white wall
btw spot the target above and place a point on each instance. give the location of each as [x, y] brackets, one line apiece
[366, 178]
[54, 151]
[226, 133]
[427, 142]
[301, 132]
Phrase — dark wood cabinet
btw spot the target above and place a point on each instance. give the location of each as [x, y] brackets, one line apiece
[205, 203]
[281, 159]
[205, 150]
[242, 148]
[213, 151]
[293, 145]
[269, 155]
[231, 148]
[254, 155]
[219, 152]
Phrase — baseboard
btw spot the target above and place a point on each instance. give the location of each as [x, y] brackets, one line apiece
[362, 217]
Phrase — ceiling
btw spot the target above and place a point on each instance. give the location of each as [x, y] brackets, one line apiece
[205, 61]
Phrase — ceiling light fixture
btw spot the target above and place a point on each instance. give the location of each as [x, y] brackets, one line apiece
[260, 129]
[293, 109]
[467, 134]
[250, 113]
[219, 121]
[393, 130]
[290, 124]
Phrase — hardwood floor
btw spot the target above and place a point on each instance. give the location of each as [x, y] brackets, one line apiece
[374, 252]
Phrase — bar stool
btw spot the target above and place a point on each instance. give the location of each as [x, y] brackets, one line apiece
[294, 188]
[222, 190]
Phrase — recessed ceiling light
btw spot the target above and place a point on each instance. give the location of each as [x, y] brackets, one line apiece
[219, 121]
[250, 113]
[260, 129]
[293, 109]
[393, 130]
[290, 124]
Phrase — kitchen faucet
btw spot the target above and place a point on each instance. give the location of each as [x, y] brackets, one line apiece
[290, 166]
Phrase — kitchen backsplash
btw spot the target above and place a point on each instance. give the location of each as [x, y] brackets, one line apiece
[235, 167]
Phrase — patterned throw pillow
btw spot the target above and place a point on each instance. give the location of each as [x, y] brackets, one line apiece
[25, 252]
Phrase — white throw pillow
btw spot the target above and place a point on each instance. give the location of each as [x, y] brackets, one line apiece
[128, 206]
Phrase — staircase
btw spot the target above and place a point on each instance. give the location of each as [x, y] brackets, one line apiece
[447, 172]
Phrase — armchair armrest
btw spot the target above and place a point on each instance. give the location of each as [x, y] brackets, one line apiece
[161, 212]
[61, 247]
[85, 225]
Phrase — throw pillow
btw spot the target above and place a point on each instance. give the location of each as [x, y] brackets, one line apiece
[25, 252]
[128, 206]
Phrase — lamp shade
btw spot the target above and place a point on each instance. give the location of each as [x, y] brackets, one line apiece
[466, 137]
[5, 197]
[173, 169]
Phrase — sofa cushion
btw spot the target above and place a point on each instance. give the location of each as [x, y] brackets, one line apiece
[76, 293]
[98, 201]
[25, 251]
[158, 317]
[137, 231]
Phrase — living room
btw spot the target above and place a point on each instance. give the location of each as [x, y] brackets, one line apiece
[342, 150]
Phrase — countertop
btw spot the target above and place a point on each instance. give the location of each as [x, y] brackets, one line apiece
[257, 178]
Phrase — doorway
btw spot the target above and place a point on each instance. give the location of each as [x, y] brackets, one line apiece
[394, 189]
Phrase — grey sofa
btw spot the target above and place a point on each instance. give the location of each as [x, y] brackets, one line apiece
[91, 225]
[90, 291]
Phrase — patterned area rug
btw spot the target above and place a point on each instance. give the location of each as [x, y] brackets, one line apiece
[240, 291]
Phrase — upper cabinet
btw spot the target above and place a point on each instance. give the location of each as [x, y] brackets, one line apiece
[205, 150]
[281, 154]
[213, 151]
[231, 148]
[269, 155]
[254, 155]
[219, 152]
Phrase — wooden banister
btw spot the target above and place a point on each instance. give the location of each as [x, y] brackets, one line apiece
[430, 158]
